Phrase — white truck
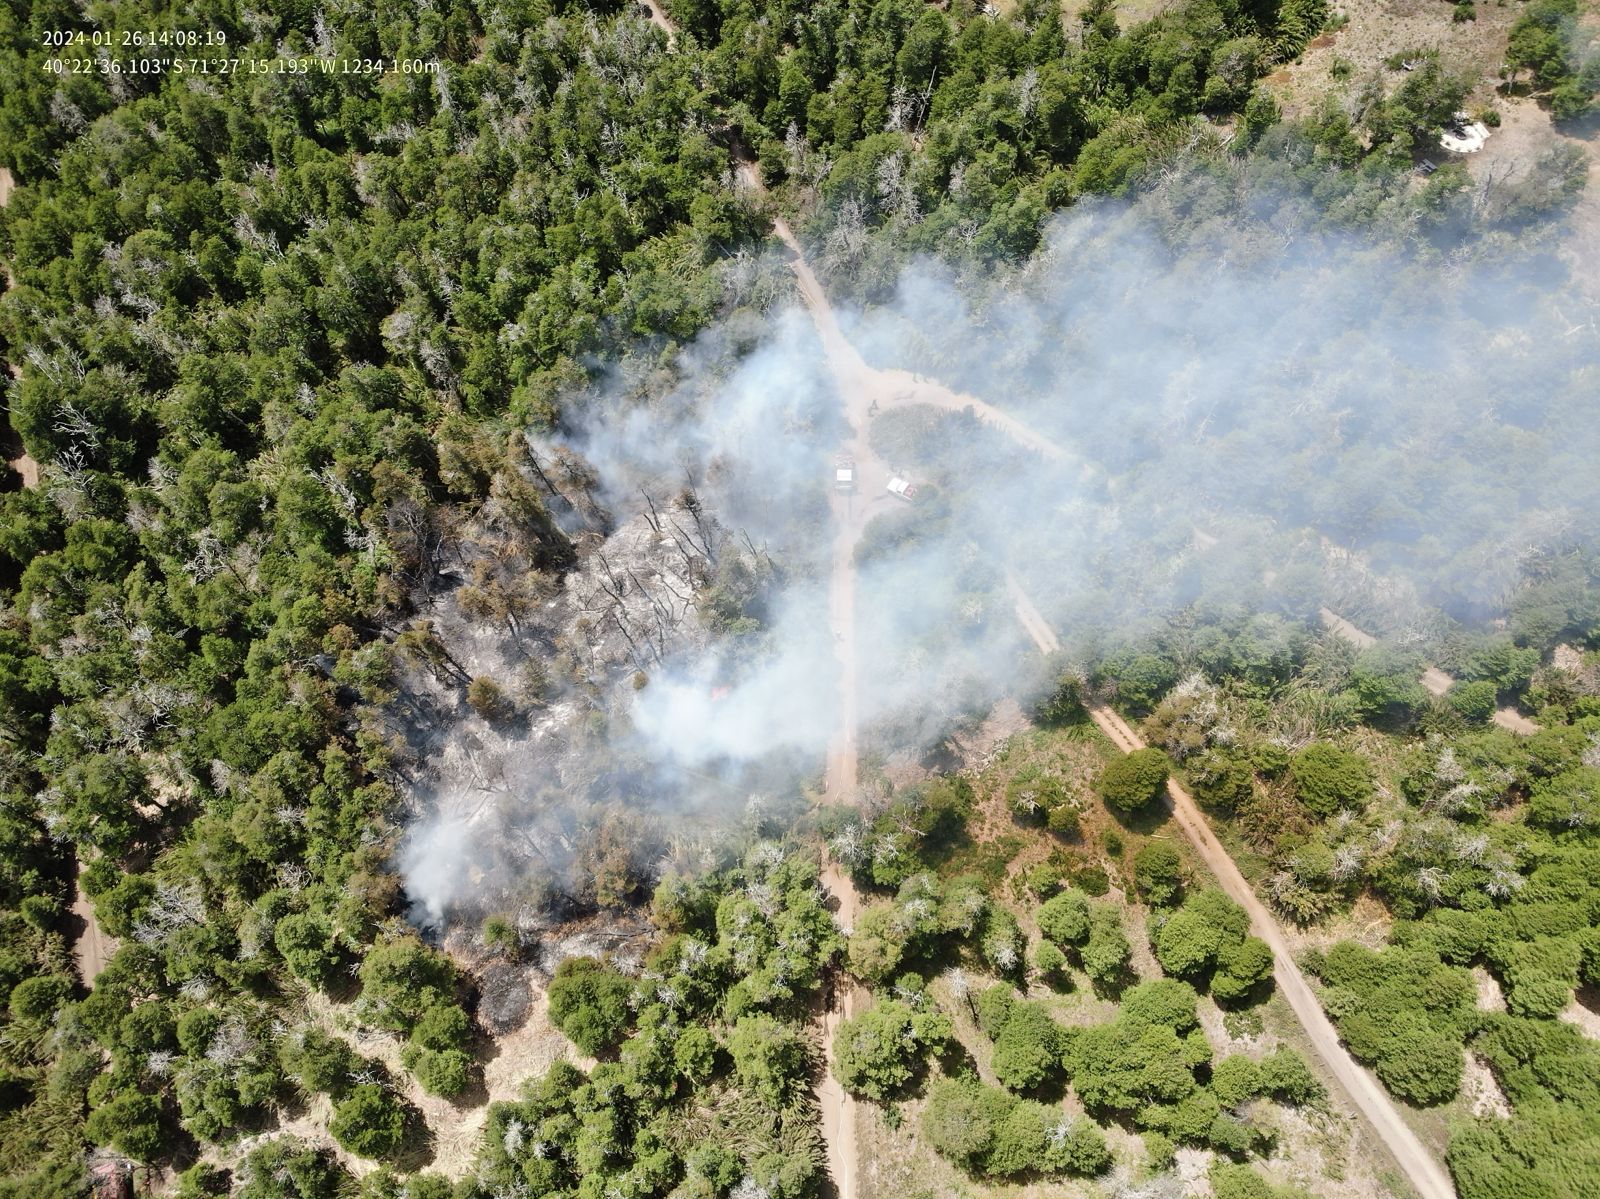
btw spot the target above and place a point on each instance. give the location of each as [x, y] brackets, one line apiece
[902, 489]
[844, 475]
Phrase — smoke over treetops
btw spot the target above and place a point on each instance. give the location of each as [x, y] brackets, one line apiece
[1255, 419]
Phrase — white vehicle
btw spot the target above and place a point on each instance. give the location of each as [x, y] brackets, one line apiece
[903, 488]
[844, 475]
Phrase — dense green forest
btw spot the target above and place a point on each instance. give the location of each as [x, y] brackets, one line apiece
[277, 336]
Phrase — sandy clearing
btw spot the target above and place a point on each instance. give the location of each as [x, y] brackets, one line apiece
[1436, 680]
[1490, 997]
[1515, 721]
[28, 469]
[455, 1127]
[1526, 134]
[1583, 1016]
[1377, 29]
[882, 389]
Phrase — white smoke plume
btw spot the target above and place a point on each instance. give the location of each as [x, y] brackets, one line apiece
[1254, 416]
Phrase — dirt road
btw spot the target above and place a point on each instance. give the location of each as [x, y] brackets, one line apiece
[1357, 637]
[92, 948]
[887, 388]
[1041, 632]
[659, 19]
[1425, 1174]
[850, 511]
[1435, 680]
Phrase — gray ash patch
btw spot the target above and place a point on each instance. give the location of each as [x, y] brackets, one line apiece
[504, 997]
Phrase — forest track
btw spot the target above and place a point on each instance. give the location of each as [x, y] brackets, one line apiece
[884, 388]
[865, 391]
[92, 949]
[1422, 1170]
[836, 1108]
[1435, 680]
[658, 18]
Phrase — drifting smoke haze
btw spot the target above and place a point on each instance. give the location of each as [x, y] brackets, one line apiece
[1254, 419]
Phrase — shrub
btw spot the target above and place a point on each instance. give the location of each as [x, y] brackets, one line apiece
[1195, 937]
[369, 1122]
[769, 1056]
[1001, 942]
[289, 1169]
[1473, 702]
[1019, 1141]
[989, 1132]
[694, 1054]
[1231, 1180]
[1049, 961]
[877, 945]
[1161, 1001]
[443, 1026]
[443, 1072]
[878, 1053]
[994, 1008]
[1079, 1148]
[1028, 1049]
[1236, 1080]
[1220, 781]
[1106, 953]
[1286, 1077]
[1158, 873]
[589, 1003]
[1063, 820]
[1133, 781]
[1327, 778]
[1064, 918]
[131, 1123]
[1419, 1065]
[1033, 797]
[36, 1000]
[1241, 969]
[318, 1061]
[1123, 1067]
[1271, 759]
[961, 1118]
[403, 979]
[306, 944]
[1159, 1151]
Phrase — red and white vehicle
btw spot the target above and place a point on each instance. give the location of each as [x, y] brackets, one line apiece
[902, 488]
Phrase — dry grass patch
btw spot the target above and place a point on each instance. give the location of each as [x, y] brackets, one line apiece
[1377, 29]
